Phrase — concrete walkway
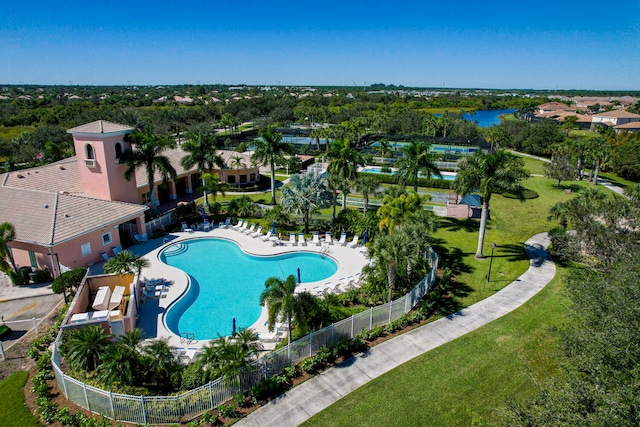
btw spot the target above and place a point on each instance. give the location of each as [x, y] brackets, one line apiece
[311, 397]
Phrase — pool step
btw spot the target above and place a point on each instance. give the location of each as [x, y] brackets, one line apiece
[176, 249]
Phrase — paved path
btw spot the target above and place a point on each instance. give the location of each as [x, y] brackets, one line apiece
[311, 397]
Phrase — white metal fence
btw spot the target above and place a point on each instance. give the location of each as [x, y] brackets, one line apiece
[193, 403]
[164, 221]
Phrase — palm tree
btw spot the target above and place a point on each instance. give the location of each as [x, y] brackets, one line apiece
[125, 262]
[213, 186]
[237, 161]
[161, 361]
[491, 173]
[118, 365]
[85, 347]
[391, 250]
[416, 160]
[384, 149]
[367, 186]
[279, 296]
[7, 234]
[201, 149]
[148, 155]
[305, 194]
[396, 210]
[333, 184]
[269, 149]
[344, 161]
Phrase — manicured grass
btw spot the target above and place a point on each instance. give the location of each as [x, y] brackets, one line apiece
[14, 412]
[534, 166]
[9, 133]
[466, 380]
[617, 180]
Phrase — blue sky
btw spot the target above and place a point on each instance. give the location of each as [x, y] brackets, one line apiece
[474, 44]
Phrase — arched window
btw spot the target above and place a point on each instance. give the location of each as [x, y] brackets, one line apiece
[119, 151]
[89, 152]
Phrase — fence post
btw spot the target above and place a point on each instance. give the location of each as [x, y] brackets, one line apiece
[2, 351]
[86, 398]
[352, 317]
[211, 395]
[390, 305]
[371, 318]
[144, 412]
[113, 409]
[333, 334]
[311, 344]
[35, 325]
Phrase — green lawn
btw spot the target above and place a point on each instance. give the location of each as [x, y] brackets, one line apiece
[10, 133]
[464, 380]
[14, 412]
[534, 166]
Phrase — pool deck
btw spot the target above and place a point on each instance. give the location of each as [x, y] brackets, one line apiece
[151, 313]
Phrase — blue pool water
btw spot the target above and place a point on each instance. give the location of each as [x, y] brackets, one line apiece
[227, 283]
[486, 118]
[447, 176]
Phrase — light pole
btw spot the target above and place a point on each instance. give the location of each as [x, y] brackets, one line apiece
[64, 291]
[493, 247]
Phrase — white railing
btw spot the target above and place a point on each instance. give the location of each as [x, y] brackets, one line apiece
[193, 403]
[164, 221]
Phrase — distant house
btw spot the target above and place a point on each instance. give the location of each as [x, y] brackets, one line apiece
[615, 117]
[550, 107]
[628, 127]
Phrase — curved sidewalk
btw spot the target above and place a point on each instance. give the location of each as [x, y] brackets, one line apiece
[302, 402]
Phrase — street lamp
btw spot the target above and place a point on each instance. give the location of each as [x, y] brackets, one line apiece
[493, 247]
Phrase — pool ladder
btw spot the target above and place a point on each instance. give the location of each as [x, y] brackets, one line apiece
[187, 337]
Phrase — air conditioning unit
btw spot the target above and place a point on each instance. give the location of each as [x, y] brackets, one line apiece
[90, 163]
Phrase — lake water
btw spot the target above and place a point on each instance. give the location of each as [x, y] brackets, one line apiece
[486, 118]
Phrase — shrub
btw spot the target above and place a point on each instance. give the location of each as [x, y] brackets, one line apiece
[42, 275]
[230, 411]
[372, 334]
[291, 371]
[71, 280]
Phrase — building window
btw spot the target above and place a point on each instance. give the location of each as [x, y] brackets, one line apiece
[252, 177]
[89, 152]
[119, 152]
[33, 260]
[243, 179]
[231, 179]
[146, 197]
[86, 249]
[106, 238]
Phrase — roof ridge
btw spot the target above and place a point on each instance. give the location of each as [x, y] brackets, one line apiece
[53, 222]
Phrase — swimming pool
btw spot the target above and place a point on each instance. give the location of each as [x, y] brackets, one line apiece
[447, 176]
[227, 282]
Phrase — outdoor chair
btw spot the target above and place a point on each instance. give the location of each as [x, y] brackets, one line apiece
[301, 241]
[256, 233]
[327, 238]
[267, 236]
[354, 242]
[316, 239]
[343, 239]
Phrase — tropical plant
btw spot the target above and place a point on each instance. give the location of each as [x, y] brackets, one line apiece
[279, 297]
[125, 262]
[490, 173]
[148, 155]
[396, 210]
[201, 149]
[243, 207]
[384, 149]
[391, 251]
[160, 361]
[211, 185]
[416, 159]
[7, 234]
[367, 186]
[305, 194]
[269, 150]
[85, 347]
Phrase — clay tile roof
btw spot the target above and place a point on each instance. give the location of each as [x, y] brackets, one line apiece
[630, 125]
[47, 218]
[59, 176]
[619, 114]
[100, 126]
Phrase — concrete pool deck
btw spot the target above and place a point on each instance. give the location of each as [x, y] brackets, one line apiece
[151, 313]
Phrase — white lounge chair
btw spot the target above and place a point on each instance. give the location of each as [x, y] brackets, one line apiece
[292, 239]
[238, 225]
[206, 225]
[226, 223]
[343, 239]
[327, 238]
[316, 239]
[301, 241]
[250, 229]
[256, 233]
[354, 242]
[186, 228]
[151, 294]
[244, 227]
[267, 236]
[190, 353]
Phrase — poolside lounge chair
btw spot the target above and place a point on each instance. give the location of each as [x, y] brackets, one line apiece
[343, 239]
[250, 229]
[243, 227]
[238, 225]
[116, 250]
[267, 236]
[354, 242]
[152, 294]
[327, 238]
[292, 239]
[301, 241]
[186, 228]
[105, 256]
[206, 225]
[316, 239]
[190, 353]
[226, 223]
[138, 238]
[256, 233]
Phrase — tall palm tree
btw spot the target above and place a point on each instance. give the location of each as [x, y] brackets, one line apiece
[201, 149]
[125, 262]
[118, 365]
[384, 149]
[269, 149]
[161, 361]
[85, 347]
[333, 184]
[213, 186]
[279, 296]
[7, 234]
[148, 155]
[417, 159]
[344, 161]
[237, 161]
[396, 210]
[305, 194]
[490, 173]
[367, 186]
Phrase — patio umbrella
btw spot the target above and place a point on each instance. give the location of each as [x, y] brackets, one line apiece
[364, 237]
[299, 281]
[273, 228]
[204, 216]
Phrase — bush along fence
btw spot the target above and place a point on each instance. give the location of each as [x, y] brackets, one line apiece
[193, 403]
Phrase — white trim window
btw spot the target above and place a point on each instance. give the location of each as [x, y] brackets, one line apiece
[106, 238]
[86, 249]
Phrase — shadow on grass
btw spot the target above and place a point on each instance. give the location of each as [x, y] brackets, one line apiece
[457, 224]
[511, 252]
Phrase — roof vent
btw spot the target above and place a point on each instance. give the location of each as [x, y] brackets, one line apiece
[46, 206]
[61, 167]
